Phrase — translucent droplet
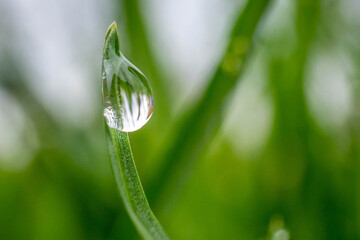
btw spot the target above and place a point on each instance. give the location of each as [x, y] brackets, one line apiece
[128, 99]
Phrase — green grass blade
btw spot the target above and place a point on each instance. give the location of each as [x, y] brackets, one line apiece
[121, 158]
[201, 123]
[129, 185]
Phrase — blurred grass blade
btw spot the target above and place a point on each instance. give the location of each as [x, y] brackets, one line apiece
[200, 124]
[128, 182]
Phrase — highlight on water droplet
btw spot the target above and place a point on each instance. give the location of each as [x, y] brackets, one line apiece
[128, 98]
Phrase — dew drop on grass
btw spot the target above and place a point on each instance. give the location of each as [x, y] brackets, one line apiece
[128, 99]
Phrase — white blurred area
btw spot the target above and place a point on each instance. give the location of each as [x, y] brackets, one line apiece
[18, 140]
[60, 44]
[329, 90]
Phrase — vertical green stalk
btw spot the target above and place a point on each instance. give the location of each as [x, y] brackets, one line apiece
[128, 182]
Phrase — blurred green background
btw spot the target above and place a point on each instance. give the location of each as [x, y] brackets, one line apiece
[284, 162]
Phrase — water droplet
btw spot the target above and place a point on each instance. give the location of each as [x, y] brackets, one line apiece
[128, 99]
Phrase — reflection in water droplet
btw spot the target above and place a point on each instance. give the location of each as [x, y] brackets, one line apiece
[128, 99]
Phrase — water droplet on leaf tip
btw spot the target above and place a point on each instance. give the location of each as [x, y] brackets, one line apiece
[128, 99]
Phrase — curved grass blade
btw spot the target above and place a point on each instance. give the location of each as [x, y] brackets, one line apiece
[201, 123]
[128, 182]
[122, 162]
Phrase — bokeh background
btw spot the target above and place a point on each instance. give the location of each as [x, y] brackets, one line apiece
[283, 164]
